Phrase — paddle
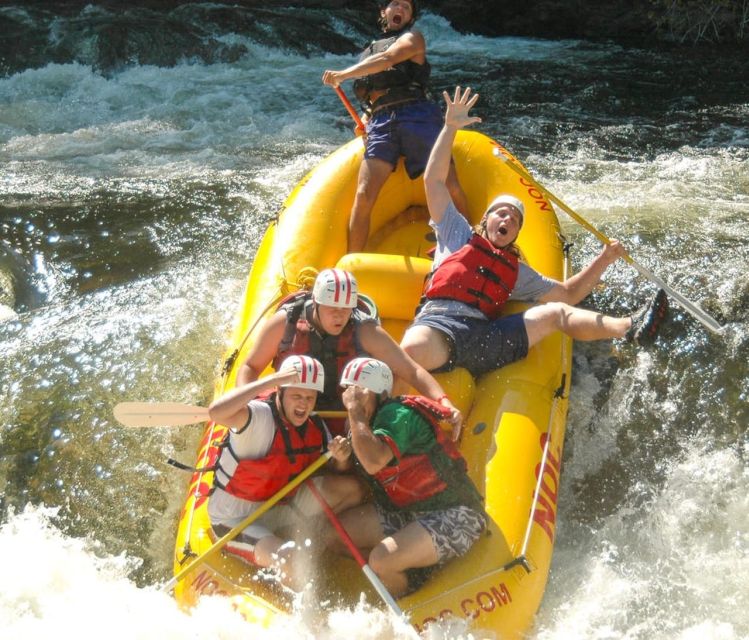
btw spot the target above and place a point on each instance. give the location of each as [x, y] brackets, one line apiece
[690, 306]
[263, 508]
[174, 414]
[349, 108]
[158, 414]
[346, 538]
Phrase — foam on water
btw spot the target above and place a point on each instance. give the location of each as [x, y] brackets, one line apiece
[54, 581]
[671, 561]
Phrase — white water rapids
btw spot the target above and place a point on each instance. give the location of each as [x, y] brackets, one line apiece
[131, 205]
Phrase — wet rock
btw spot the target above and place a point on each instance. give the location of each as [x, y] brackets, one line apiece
[109, 34]
[615, 19]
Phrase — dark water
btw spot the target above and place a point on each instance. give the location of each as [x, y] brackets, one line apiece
[133, 197]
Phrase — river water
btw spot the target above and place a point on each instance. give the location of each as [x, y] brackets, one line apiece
[132, 201]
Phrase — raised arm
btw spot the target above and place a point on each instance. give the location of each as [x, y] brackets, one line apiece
[438, 166]
[576, 287]
[231, 409]
[371, 451]
[409, 45]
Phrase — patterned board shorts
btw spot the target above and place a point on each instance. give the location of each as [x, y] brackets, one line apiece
[453, 531]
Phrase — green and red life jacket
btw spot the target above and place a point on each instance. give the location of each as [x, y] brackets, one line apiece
[478, 274]
[414, 478]
[292, 450]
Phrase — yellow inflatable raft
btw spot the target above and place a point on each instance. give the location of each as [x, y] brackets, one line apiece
[515, 416]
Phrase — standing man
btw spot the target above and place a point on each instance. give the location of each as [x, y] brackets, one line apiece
[402, 119]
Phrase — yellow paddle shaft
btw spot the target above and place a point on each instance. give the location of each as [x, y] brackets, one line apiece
[263, 508]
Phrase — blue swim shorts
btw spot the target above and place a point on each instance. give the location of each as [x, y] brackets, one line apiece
[479, 345]
[407, 130]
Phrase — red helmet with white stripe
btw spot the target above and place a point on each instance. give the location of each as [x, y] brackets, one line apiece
[368, 373]
[311, 373]
[335, 288]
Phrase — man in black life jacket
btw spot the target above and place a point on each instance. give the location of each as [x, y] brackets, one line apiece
[425, 508]
[392, 84]
[326, 324]
[272, 438]
[476, 270]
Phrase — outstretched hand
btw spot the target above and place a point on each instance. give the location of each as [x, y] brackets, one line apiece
[456, 115]
[612, 251]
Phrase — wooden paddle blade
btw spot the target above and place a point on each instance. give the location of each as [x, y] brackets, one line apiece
[158, 414]
[331, 414]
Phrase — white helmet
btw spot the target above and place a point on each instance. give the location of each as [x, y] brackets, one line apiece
[512, 201]
[368, 373]
[335, 288]
[311, 372]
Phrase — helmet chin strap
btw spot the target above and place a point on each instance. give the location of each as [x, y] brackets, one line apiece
[316, 318]
[281, 408]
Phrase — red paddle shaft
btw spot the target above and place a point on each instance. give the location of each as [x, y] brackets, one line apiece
[346, 538]
[349, 107]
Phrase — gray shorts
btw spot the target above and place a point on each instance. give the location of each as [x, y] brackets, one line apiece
[479, 345]
[453, 531]
[283, 520]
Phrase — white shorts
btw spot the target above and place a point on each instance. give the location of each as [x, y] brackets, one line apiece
[282, 520]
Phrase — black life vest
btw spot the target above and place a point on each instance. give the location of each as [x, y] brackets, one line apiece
[415, 478]
[334, 352]
[405, 81]
[293, 449]
[478, 274]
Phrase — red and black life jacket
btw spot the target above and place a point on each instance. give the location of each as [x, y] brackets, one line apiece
[405, 81]
[302, 338]
[478, 274]
[293, 449]
[414, 478]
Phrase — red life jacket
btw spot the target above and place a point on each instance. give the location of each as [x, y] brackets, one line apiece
[478, 274]
[333, 352]
[413, 478]
[293, 449]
